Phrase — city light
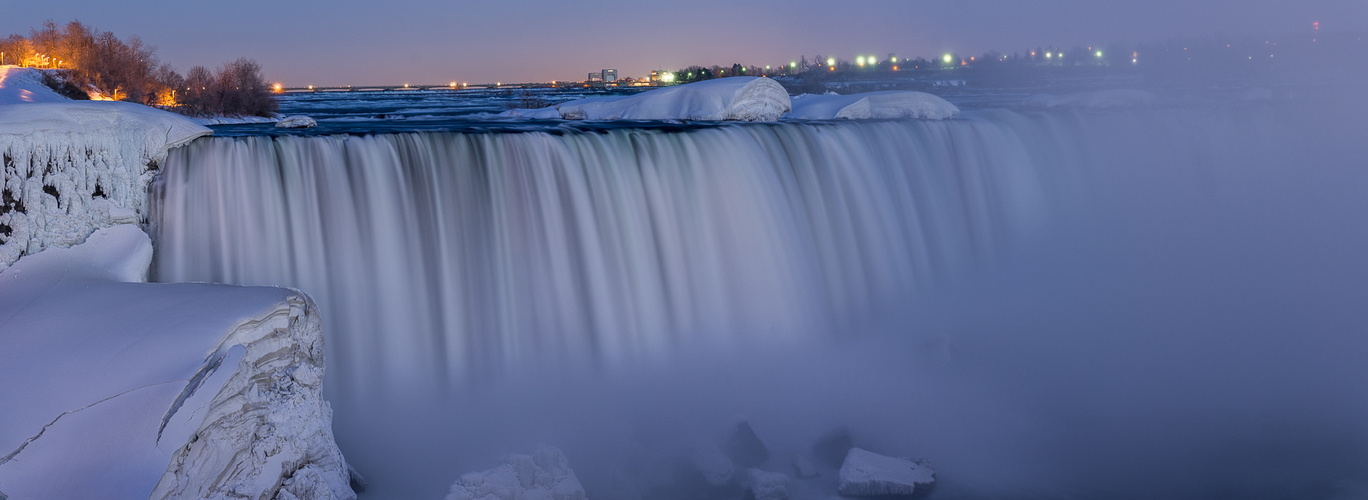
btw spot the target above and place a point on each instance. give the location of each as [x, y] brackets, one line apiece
[948, 59]
[1049, 55]
[831, 61]
[277, 87]
[1099, 53]
[793, 64]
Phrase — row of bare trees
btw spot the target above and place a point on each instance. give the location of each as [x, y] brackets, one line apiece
[99, 62]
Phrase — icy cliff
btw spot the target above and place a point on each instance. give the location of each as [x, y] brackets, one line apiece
[70, 167]
[108, 380]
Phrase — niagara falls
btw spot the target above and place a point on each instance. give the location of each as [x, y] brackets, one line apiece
[769, 251]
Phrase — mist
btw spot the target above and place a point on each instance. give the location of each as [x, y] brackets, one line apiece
[1191, 328]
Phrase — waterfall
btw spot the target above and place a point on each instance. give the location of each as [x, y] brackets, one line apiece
[447, 256]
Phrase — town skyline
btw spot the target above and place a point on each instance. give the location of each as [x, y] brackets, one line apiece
[299, 44]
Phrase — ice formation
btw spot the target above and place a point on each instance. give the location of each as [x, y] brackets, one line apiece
[866, 473]
[543, 475]
[296, 121]
[886, 104]
[70, 167]
[768, 485]
[752, 99]
[1113, 98]
[120, 379]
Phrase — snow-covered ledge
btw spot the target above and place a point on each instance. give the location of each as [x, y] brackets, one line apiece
[105, 381]
[70, 167]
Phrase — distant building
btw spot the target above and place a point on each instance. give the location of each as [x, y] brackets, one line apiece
[608, 75]
[595, 77]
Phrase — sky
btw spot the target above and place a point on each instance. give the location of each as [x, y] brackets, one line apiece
[343, 42]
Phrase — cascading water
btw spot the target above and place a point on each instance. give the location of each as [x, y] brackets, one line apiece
[1176, 293]
[445, 256]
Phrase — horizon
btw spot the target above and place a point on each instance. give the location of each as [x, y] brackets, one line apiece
[543, 41]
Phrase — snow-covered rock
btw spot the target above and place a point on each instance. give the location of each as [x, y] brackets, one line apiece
[1112, 98]
[543, 475]
[879, 105]
[866, 473]
[742, 446]
[109, 380]
[74, 166]
[296, 121]
[736, 98]
[767, 485]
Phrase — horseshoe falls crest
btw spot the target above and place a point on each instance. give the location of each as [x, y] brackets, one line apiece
[1050, 302]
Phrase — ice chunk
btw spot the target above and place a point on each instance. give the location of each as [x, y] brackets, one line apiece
[296, 121]
[735, 98]
[768, 485]
[547, 113]
[884, 105]
[1112, 98]
[543, 475]
[831, 449]
[866, 473]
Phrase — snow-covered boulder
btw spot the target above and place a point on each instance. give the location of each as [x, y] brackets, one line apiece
[297, 121]
[878, 105]
[767, 485]
[121, 389]
[543, 475]
[1112, 98]
[742, 446]
[74, 166]
[739, 98]
[866, 474]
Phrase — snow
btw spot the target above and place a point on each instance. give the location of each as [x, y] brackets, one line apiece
[296, 121]
[545, 474]
[882, 105]
[74, 149]
[768, 485]
[866, 473]
[109, 380]
[735, 98]
[547, 113]
[1112, 98]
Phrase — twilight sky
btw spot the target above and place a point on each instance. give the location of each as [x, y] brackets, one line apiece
[343, 42]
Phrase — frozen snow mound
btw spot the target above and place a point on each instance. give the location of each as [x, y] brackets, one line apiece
[131, 390]
[866, 474]
[752, 99]
[297, 121]
[872, 105]
[1113, 98]
[74, 166]
[543, 475]
[547, 113]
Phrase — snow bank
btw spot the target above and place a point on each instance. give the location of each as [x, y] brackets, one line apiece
[107, 381]
[886, 104]
[71, 167]
[543, 475]
[25, 85]
[737, 98]
[1113, 98]
[866, 473]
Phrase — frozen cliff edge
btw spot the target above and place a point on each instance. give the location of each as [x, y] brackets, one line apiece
[70, 167]
[108, 380]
